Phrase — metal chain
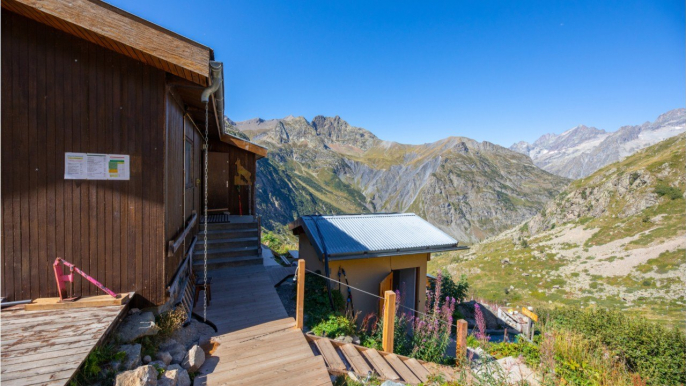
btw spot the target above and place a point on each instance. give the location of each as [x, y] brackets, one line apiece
[207, 149]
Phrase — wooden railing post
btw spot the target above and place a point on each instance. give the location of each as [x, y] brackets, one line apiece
[300, 297]
[461, 340]
[388, 321]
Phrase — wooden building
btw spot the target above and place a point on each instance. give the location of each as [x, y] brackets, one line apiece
[83, 78]
[372, 252]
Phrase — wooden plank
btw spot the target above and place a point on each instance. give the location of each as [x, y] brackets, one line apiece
[380, 365]
[356, 360]
[39, 379]
[417, 369]
[88, 302]
[128, 30]
[401, 369]
[330, 354]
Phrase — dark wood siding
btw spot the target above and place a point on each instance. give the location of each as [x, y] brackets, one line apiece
[63, 94]
[181, 200]
[247, 161]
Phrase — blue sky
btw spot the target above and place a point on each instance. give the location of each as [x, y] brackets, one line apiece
[416, 72]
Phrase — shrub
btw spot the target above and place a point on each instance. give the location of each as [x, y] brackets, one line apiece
[317, 305]
[655, 352]
[335, 326]
[669, 191]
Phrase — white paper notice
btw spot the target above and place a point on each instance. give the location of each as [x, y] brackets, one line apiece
[96, 164]
[75, 166]
[118, 167]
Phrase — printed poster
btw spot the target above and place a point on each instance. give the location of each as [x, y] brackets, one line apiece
[93, 166]
[118, 167]
[75, 166]
[96, 164]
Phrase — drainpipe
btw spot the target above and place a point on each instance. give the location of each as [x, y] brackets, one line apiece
[217, 88]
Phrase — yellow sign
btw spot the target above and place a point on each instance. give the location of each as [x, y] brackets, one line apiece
[242, 175]
[530, 314]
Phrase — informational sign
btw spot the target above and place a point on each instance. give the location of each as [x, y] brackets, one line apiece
[118, 167]
[530, 314]
[93, 166]
[75, 166]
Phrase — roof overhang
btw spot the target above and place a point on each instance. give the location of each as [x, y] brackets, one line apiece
[117, 30]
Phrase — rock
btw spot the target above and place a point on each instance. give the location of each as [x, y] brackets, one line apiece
[142, 376]
[345, 339]
[525, 274]
[194, 333]
[164, 357]
[177, 350]
[505, 261]
[176, 377]
[134, 311]
[194, 359]
[174, 367]
[147, 359]
[132, 358]
[159, 364]
[136, 326]
[391, 383]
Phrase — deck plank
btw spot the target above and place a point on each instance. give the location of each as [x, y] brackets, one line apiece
[330, 354]
[47, 347]
[402, 370]
[380, 365]
[257, 341]
[418, 369]
[356, 360]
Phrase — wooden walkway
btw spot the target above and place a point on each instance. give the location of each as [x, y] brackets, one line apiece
[342, 358]
[258, 343]
[47, 347]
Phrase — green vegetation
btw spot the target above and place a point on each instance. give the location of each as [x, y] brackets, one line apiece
[335, 326]
[95, 368]
[279, 242]
[669, 191]
[656, 353]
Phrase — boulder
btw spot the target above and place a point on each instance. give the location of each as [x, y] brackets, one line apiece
[132, 358]
[194, 359]
[136, 326]
[142, 376]
[147, 359]
[164, 357]
[158, 364]
[176, 377]
[175, 349]
[174, 367]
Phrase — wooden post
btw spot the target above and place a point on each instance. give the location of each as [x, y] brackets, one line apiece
[461, 340]
[300, 297]
[388, 321]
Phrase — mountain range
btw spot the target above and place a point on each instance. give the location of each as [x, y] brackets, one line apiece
[580, 151]
[471, 190]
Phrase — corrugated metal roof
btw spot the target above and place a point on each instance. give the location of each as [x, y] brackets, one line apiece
[373, 235]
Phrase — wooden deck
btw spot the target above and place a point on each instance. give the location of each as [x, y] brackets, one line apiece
[47, 347]
[258, 342]
[342, 358]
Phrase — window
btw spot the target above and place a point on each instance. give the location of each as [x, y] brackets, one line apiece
[188, 164]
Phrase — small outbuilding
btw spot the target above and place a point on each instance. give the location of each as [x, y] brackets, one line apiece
[373, 252]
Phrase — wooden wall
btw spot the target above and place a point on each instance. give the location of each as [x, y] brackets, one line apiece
[248, 160]
[181, 200]
[63, 94]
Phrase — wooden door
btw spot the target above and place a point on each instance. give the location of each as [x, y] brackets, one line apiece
[218, 181]
[385, 285]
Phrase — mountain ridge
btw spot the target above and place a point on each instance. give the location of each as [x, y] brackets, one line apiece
[582, 150]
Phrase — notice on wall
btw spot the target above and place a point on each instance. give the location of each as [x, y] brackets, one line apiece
[118, 167]
[75, 166]
[93, 166]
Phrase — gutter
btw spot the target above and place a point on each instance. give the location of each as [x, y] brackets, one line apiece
[217, 90]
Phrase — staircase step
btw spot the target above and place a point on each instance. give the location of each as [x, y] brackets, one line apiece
[227, 252]
[230, 226]
[221, 262]
[227, 234]
[227, 243]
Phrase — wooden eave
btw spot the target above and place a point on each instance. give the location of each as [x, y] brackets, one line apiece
[188, 95]
[122, 32]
